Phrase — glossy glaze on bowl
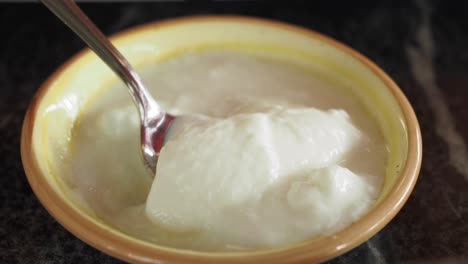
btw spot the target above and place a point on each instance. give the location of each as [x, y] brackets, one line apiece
[45, 135]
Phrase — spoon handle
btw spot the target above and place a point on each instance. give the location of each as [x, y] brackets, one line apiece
[75, 19]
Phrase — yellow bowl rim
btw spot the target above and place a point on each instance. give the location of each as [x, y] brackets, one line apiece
[130, 249]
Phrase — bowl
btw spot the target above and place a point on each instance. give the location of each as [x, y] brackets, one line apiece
[53, 110]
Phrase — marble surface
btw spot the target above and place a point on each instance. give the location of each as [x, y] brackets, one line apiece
[423, 45]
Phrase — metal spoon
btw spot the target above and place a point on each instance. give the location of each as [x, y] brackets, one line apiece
[154, 120]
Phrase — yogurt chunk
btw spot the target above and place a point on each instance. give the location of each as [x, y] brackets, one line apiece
[259, 179]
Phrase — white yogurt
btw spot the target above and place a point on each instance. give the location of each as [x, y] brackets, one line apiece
[275, 155]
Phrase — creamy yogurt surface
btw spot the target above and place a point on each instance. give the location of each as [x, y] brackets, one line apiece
[269, 154]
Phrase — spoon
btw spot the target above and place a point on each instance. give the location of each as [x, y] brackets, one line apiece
[154, 121]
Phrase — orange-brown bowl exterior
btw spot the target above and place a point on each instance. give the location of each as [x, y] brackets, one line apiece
[137, 251]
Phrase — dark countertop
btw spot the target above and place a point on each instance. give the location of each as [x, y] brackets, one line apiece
[423, 45]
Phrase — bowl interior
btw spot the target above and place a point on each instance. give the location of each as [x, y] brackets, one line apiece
[64, 96]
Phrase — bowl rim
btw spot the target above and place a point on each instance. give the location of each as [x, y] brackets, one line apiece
[131, 249]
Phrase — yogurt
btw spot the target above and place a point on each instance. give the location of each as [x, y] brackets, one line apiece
[260, 179]
[272, 154]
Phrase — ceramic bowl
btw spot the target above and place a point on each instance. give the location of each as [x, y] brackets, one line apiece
[55, 107]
